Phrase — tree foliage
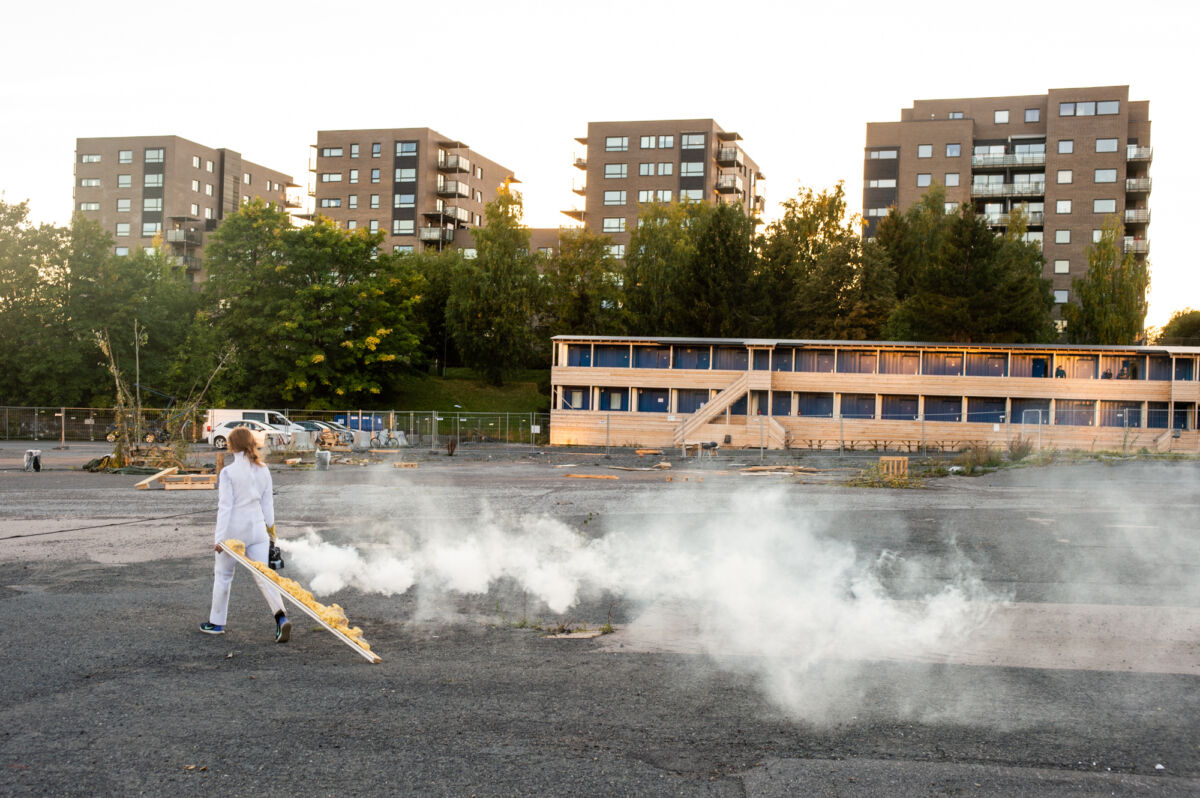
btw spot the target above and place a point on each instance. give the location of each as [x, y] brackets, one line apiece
[583, 285]
[1109, 305]
[1182, 329]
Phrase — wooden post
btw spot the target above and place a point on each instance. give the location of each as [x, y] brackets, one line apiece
[220, 461]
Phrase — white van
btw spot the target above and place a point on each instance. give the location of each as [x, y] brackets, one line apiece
[271, 418]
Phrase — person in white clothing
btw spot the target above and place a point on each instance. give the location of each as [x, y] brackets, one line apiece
[245, 512]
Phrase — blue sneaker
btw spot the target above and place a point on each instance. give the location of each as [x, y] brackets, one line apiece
[283, 628]
[212, 629]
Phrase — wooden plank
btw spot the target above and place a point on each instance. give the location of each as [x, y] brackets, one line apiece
[404, 465]
[370, 656]
[145, 483]
[591, 476]
[190, 482]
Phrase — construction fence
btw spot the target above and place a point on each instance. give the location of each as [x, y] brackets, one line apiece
[385, 428]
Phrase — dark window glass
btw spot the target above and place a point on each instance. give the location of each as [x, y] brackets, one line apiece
[762, 359]
[691, 357]
[1156, 414]
[858, 405]
[781, 359]
[982, 410]
[944, 408]
[652, 357]
[1120, 414]
[614, 399]
[1074, 412]
[576, 397]
[1030, 411]
[898, 408]
[781, 403]
[612, 356]
[689, 400]
[1184, 368]
[814, 405]
[1160, 368]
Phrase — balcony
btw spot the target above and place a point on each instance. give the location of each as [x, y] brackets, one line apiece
[1009, 190]
[729, 156]
[730, 184]
[1138, 185]
[188, 262]
[1008, 159]
[579, 188]
[449, 213]
[574, 213]
[580, 162]
[1036, 219]
[291, 202]
[189, 238]
[443, 235]
[1138, 246]
[1139, 154]
[454, 163]
[453, 188]
[1137, 216]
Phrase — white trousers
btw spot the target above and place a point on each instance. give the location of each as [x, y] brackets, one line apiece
[223, 581]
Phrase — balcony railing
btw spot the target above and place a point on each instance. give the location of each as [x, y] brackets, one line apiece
[1137, 216]
[1008, 189]
[728, 184]
[1137, 245]
[1009, 159]
[1139, 154]
[188, 262]
[729, 156]
[454, 163]
[574, 213]
[579, 188]
[185, 237]
[1139, 185]
[449, 213]
[1035, 219]
[580, 162]
[453, 188]
[443, 234]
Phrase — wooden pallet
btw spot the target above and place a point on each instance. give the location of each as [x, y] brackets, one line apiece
[171, 479]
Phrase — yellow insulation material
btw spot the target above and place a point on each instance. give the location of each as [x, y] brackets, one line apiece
[332, 615]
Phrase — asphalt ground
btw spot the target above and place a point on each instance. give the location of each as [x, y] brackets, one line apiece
[1082, 681]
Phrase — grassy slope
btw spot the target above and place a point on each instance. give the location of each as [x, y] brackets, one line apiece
[519, 394]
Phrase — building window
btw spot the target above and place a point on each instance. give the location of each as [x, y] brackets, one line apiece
[956, 114]
[1066, 109]
[330, 202]
[614, 224]
[122, 251]
[691, 169]
[208, 213]
[154, 155]
[246, 179]
[1000, 117]
[616, 144]
[372, 202]
[90, 182]
[881, 155]
[403, 227]
[353, 175]
[1065, 176]
[691, 194]
[152, 204]
[374, 175]
[617, 170]
[352, 224]
[153, 180]
[1066, 146]
[923, 179]
[616, 250]
[479, 173]
[947, 207]
[953, 150]
[331, 177]
[353, 150]
[952, 178]
[376, 149]
[208, 188]
[151, 229]
[122, 229]
[646, 195]
[123, 206]
[402, 249]
[89, 159]
[125, 156]
[691, 141]
[1106, 145]
[399, 200]
[924, 150]
[646, 170]
[883, 211]
[373, 225]
[1062, 267]
[195, 185]
[478, 219]
[89, 206]
[331, 152]
[666, 168]
[208, 166]
[1096, 236]
[195, 209]
[1106, 176]
[406, 149]
[1062, 236]
[1104, 206]
[614, 197]
[1108, 107]
[663, 195]
[1033, 114]
[479, 196]
[406, 175]
[1062, 206]
[1061, 297]
[352, 201]
[883, 182]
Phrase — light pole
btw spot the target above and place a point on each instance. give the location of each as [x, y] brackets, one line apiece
[457, 437]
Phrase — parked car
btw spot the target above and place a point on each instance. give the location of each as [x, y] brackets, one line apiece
[218, 437]
[277, 421]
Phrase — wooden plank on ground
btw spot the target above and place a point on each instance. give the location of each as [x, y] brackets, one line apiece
[242, 560]
[404, 465]
[591, 476]
[148, 481]
[190, 482]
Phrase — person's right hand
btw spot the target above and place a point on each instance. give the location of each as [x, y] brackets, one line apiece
[217, 547]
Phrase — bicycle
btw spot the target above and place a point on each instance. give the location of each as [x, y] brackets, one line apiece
[389, 440]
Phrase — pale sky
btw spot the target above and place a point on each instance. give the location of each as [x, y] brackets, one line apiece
[519, 80]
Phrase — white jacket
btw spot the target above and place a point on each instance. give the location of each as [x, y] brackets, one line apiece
[245, 507]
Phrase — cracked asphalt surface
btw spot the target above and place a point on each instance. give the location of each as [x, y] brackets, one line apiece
[109, 688]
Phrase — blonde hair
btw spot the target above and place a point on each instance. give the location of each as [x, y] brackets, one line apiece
[241, 439]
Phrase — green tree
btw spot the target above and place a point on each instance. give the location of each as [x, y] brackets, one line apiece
[1183, 329]
[721, 294]
[912, 239]
[438, 271]
[1110, 300]
[582, 284]
[495, 304]
[660, 249]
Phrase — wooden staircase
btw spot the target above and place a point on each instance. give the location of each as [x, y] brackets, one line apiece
[715, 406]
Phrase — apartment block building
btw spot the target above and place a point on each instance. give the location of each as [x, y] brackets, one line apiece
[1070, 157]
[628, 164]
[147, 188]
[422, 189]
